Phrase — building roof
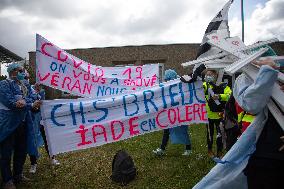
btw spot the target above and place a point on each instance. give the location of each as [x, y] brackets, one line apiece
[7, 56]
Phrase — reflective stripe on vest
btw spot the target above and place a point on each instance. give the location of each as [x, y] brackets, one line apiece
[248, 118]
[245, 118]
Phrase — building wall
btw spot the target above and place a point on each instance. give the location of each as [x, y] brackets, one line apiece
[171, 56]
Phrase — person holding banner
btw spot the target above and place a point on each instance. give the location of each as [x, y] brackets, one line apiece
[38, 130]
[178, 135]
[266, 164]
[41, 93]
[14, 106]
[34, 136]
[216, 97]
[256, 160]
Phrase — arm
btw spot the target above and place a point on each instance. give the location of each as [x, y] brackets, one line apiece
[197, 73]
[30, 98]
[253, 96]
[6, 95]
[42, 94]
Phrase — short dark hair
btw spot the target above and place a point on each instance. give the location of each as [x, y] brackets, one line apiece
[211, 70]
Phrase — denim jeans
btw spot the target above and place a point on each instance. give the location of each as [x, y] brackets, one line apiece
[14, 144]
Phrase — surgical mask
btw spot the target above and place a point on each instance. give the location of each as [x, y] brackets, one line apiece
[21, 76]
[209, 78]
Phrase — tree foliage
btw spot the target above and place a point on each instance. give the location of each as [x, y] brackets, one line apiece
[2, 77]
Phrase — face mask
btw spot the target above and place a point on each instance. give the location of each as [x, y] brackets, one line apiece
[21, 76]
[209, 78]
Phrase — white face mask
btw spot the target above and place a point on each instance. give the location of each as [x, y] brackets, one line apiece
[209, 78]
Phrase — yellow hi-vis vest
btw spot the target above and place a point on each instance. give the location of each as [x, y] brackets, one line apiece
[222, 97]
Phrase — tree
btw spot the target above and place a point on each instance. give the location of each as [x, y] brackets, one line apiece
[3, 77]
[31, 72]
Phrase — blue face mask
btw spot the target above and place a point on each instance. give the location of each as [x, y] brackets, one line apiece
[209, 78]
[21, 76]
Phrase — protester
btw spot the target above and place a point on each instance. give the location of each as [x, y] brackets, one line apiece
[257, 158]
[221, 93]
[14, 107]
[34, 136]
[40, 91]
[265, 166]
[38, 130]
[179, 135]
[244, 118]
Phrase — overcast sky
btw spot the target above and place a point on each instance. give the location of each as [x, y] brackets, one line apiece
[101, 23]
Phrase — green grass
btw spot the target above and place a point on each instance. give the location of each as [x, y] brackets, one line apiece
[91, 168]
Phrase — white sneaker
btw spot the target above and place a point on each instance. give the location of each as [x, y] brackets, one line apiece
[186, 153]
[33, 169]
[159, 152]
[55, 162]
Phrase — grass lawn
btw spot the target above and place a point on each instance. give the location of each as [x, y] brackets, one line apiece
[91, 168]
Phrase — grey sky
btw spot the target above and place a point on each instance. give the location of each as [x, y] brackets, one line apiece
[94, 23]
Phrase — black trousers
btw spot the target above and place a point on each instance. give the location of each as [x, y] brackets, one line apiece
[232, 137]
[44, 138]
[265, 177]
[16, 145]
[210, 134]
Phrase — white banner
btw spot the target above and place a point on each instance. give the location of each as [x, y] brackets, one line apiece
[61, 70]
[83, 123]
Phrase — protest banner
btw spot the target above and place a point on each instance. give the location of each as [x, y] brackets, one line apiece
[88, 122]
[61, 70]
